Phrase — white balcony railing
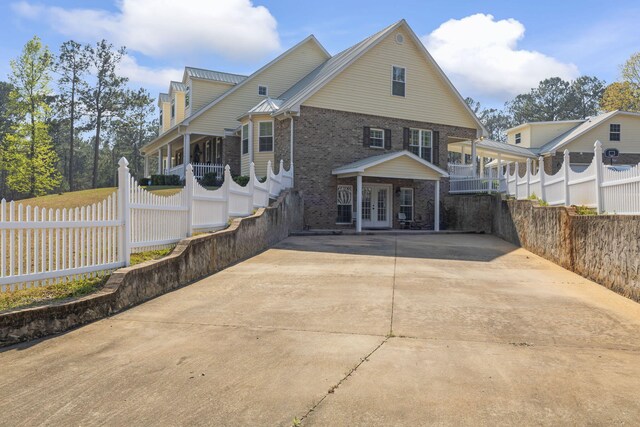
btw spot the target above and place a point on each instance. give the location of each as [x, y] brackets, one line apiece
[199, 170]
[460, 171]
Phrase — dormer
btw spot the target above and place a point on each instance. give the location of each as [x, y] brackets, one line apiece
[164, 115]
[177, 96]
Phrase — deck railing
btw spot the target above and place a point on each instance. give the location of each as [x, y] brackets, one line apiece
[199, 170]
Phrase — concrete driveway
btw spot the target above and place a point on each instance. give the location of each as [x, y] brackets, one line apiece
[347, 330]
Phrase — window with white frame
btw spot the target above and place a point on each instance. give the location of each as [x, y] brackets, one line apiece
[518, 138]
[345, 204]
[160, 119]
[614, 132]
[187, 96]
[398, 81]
[173, 108]
[265, 140]
[376, 138]
[245, 139]
[263, 90]
[420, 143]
[406, 203]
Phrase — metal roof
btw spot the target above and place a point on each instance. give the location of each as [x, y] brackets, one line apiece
[163, 97]
[219, 76]
[178, 86]
[361, 165]
[588, 124]
[503, 147]
[267, 106]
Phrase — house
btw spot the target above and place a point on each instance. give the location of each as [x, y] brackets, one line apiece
[618, 131]
[367, 130]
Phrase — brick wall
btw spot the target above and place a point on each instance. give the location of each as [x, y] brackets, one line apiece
[326, 139]
[231, 153]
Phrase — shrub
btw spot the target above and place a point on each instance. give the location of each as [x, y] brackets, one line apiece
[157, 179]
[172, 180]
[209, 179]
[241, 180]
[144, 181]
[263, 179]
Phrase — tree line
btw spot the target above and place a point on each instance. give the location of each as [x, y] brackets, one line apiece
[66, 119]
[558, 99]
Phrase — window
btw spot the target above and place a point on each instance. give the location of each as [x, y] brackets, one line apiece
[406, 203]
[345, 204]
[265, 142]
[245, 139]
[398, 81]
[614, 132]
[187, 96]
[263, 90]
[173, 108]
[376, 138]
[420, 143]
[160, 117]
[518, 138]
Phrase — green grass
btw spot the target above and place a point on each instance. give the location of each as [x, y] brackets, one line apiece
[60, 291]
[141, 257]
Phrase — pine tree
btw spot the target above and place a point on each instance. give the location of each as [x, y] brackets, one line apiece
[32, 160]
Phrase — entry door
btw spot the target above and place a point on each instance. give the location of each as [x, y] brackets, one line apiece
[376, 206]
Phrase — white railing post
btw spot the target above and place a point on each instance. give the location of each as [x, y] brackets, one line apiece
[517, 175]
[528, 175]
[124, 214]
[597, 158]
[188, 188]
[567, 192]
[490, 181]
[291, 172]
[543, 192]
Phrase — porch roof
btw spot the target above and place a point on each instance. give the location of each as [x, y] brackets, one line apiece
[399, 164]
[490, 148]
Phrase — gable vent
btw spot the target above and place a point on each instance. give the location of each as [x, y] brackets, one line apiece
[399, 38]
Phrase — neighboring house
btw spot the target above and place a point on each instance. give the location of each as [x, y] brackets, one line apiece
[618, 131]
[367, 130]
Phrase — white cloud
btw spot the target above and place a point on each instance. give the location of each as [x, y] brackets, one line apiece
[235, 29]
[157, 78]
[481, 56]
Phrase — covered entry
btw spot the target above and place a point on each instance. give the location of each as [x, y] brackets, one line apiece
[374, 200]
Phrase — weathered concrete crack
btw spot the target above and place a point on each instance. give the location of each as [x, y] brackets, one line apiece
[393, 288]
[333, 388]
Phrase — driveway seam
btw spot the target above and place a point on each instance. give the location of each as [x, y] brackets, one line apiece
[235, 326]
[339, 383]
[393, 288]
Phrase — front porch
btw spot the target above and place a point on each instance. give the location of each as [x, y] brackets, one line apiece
[392, 191]
[204, 152]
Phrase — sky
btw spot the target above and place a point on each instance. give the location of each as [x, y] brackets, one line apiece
[491, 50]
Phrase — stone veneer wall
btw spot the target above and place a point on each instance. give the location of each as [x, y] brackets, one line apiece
[192, 259]
[602, 248]
[325, 139]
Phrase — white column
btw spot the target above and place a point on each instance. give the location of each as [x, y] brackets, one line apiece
[250, 140]
[124, 188]
[528, 175]
[359, 203]
[463, 160]
[169, 163]
[436, 207]
[160, 171]
[146, 166]
[543, 191]
[500, 171]
[474, 160]
[186, 149]
[482, 166]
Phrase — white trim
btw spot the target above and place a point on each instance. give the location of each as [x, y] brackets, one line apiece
[420, 142]
[413, 202]
[351, 204]
[266, 95]
[383, 141]
[242, 135]
[273, 137]
[389, 205]
[342, 170]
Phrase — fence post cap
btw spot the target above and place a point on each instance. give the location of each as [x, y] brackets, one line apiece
[189, 168]
[566, 152]
[227, 168]
[597, 144]
[123, 162]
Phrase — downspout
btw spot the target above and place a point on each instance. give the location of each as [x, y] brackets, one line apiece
[250, 139]
[291, 150]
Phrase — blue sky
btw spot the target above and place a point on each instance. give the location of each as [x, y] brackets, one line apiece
[491, 50]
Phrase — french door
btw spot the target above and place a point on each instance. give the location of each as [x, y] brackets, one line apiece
[376, 206]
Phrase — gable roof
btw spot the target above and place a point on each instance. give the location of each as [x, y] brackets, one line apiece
[253, 75]
[584, 127]
[503, 147]
[219, 76]
[266, 106]
[177, 86]
[521, 125]
[163, 97]
[322, 75]
[362, 165]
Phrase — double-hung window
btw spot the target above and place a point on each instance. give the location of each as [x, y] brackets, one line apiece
[398, 81]
[614, 132]
[420, 143]
[376, 138]
[245, 139]
[345, 204]
[263, 90]
[406, 203]
[160, 117]
[518, 138]
[187, 97]
[173, 108]
[265, 142]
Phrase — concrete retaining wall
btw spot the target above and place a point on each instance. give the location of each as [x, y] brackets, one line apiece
[603, 248]
[192, 259]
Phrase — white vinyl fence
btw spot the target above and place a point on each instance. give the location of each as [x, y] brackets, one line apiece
[40, 246]
[598, 186]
